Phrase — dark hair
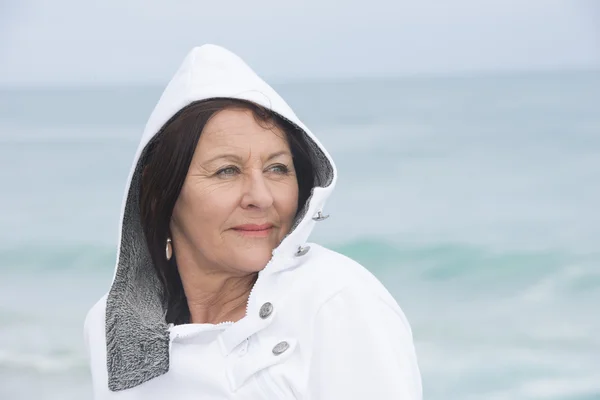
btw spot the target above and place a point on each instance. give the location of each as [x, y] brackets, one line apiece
[165, 166]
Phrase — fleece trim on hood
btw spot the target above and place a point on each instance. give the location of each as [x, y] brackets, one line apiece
[137, 335]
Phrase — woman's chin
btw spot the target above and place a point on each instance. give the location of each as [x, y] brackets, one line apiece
[252, 260]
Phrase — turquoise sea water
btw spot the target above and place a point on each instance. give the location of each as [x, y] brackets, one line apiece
[474, 199]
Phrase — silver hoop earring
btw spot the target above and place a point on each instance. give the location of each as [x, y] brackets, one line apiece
[169, 250]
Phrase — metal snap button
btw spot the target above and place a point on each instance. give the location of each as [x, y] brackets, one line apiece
[280, 348]
[266, 310]
[320, 217]
[302, 251]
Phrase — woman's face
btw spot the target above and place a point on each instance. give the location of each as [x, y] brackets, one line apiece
[239, 197]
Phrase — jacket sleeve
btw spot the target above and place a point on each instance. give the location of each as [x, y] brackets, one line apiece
[363, 349]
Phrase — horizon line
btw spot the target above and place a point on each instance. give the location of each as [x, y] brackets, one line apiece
[458, 74]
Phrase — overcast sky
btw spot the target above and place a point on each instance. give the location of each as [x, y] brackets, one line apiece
[103, 41]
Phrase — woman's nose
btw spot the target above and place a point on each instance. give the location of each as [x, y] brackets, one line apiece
[256, 192]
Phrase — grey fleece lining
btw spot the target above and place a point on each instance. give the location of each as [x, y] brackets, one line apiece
[137, 336]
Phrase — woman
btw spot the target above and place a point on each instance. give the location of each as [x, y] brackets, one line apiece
[216, 292]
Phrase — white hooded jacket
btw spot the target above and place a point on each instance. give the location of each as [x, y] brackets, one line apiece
[318, 325]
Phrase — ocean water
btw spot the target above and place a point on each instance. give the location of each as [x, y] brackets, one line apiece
[476, 200]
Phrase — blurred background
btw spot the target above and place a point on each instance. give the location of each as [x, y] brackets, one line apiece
[467, 137]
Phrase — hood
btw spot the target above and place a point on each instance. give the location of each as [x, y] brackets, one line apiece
[137, 335]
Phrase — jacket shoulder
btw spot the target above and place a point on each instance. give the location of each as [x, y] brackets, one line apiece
[329, 272]
[350, 311]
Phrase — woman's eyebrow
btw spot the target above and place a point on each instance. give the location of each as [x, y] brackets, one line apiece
[279, 153]
[227, 156]
[237, 158]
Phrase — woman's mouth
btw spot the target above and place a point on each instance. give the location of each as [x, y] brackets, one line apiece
[254, 230]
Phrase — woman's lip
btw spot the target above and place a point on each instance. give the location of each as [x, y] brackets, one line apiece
[253, 228]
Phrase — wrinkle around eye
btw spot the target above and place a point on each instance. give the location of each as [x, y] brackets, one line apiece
[234, 171]
[283, 169]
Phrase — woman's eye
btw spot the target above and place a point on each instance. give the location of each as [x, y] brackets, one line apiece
[280, 169]
[227, 171]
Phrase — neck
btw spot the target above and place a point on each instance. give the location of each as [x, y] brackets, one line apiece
[227, 303]
[213, 296]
